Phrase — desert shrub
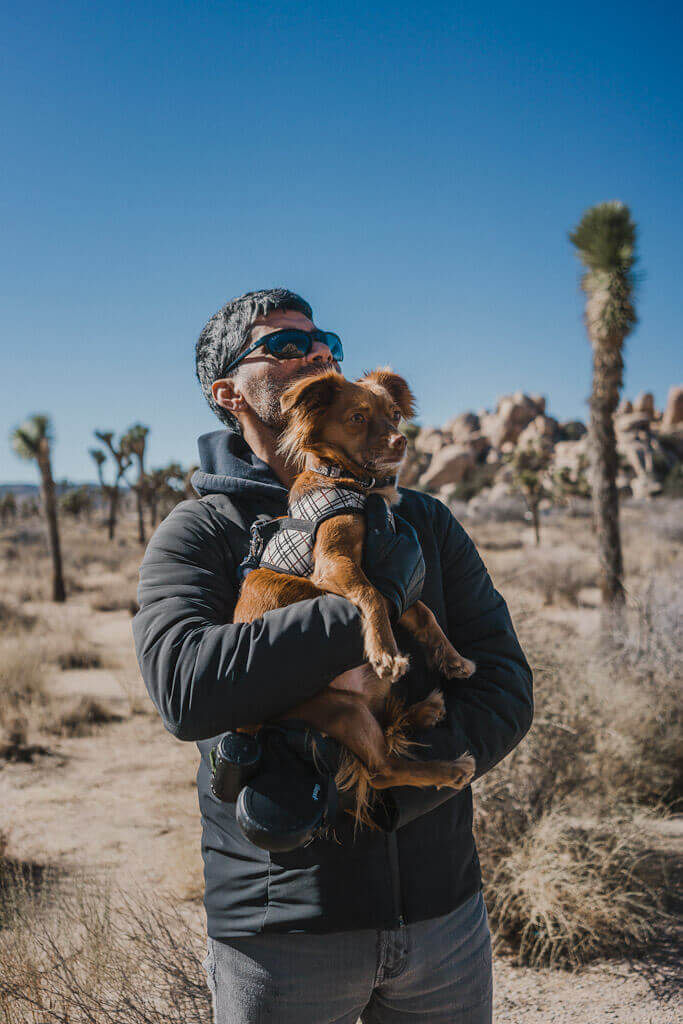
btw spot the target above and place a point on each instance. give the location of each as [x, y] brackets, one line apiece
[504, 510]
[13, 620]
[636, 678]
[672, 484]
[666, 520]
[568, 893]
[89, 954]
[550, 874]
[84, 718]
[114, 598]
[559, 573]
[71, 650]
[22, 676]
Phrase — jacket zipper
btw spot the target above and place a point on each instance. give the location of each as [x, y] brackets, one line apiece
[392, 846]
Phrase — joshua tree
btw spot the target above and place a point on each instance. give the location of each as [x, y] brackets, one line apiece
[122, 462]
[32, 440]
[75, 501]
[529, 468]
[134, 441]
[8, 508]
[606, 241]
[160, 491]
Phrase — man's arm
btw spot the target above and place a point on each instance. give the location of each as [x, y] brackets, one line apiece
[489, 713]
[207, 675]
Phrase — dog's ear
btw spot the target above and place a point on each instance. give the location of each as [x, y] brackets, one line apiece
[395, 385]
[312, 394]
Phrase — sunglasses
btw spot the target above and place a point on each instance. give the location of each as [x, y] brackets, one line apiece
[291, 343]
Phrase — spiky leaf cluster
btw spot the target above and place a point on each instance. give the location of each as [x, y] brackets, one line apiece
[32, 435]
[605, 240]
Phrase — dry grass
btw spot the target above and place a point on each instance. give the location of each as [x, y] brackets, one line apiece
[116, 597]
[83, 718]
[568, 893]
[559, 574]
[71, 650]
[22, 676]
[88, 954]
[602, 743]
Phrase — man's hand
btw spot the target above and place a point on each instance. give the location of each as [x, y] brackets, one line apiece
[360, 680]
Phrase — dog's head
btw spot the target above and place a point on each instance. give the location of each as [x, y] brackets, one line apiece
[352, 422]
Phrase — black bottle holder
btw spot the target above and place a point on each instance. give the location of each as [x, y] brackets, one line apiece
[234, 761]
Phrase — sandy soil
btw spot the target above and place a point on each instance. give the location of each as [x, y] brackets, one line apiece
[123, 802]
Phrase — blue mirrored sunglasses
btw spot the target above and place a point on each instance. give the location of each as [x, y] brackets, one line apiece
[293, 344]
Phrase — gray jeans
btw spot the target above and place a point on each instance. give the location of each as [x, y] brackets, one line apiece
[437, 971]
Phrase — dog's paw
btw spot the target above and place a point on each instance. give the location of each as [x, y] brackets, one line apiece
[452, 664]
[461, 772]
[428, 712]
[390, 666]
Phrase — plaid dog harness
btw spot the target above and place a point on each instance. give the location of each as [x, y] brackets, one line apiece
[286, 544]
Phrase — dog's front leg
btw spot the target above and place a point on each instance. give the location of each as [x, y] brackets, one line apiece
[337, 555]
[442, 655]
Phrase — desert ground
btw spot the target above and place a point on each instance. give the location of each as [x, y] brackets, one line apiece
[101, 916]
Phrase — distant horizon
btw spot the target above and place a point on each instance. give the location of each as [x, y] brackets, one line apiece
[414, 176]
[30, 478]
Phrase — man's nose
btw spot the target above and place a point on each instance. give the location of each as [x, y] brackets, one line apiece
[319, 353]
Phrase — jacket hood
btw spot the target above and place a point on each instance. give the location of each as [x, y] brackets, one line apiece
[227, 465]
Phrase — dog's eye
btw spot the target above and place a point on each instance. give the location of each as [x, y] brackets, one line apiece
[397, 416]
[358, 417]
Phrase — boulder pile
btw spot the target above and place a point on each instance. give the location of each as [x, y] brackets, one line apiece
[469, 457]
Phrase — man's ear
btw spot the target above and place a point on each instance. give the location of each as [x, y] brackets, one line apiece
[228, 395]
[398, 389]
[312, 393]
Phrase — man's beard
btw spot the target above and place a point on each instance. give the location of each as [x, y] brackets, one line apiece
[265, 393]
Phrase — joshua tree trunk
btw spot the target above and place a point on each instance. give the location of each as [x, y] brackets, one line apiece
[607, 375]
[141, 516]
[536, 521]
[113, 509]
[47, 488]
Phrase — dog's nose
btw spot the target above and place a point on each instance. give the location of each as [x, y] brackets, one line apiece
[397, 442]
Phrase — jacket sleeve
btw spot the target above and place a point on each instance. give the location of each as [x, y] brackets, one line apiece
[206, 674]
[489, 713]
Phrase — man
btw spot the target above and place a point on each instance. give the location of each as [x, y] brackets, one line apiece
[390, 927]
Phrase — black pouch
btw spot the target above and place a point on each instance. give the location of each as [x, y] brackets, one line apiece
[234, 761]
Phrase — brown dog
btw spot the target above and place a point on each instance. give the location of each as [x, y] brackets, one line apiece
[332, 422]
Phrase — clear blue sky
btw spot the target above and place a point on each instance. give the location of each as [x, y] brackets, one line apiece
[412, 170]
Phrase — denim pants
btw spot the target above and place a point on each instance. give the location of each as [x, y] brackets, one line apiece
[437, 971]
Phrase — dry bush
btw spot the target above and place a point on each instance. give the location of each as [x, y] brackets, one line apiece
[666, 520]
[504, 510]
[559, 573]
[550, 876]
[567, 894]
[14, 620]
[636, 678]
[22, 676]
[70, 649]
[83, 718]
[90, 954]
[116, 597]
[88, 549]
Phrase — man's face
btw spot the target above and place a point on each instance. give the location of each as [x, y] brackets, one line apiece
[261, 378]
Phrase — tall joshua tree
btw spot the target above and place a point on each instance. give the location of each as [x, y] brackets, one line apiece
[606, 242]
[122, 462]
[33, 440]
[134, 440]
